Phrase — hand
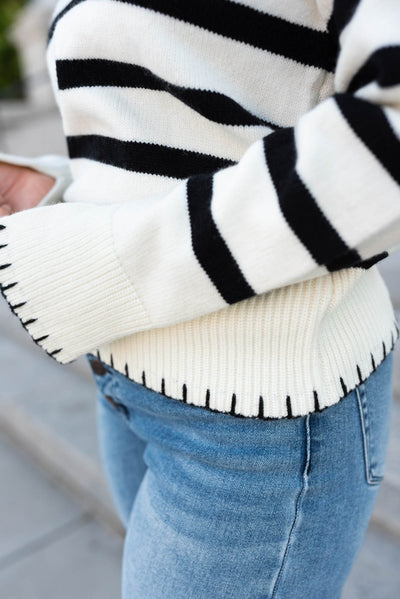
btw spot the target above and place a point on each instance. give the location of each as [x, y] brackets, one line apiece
[21, 188]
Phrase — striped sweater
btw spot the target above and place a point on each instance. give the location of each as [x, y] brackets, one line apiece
[235, 178]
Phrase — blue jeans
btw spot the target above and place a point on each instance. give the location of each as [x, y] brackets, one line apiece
[220, 507]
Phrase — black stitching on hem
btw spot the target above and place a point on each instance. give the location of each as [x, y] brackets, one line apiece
[289, 407]
[233, 405]
[259, 416]
[261, 407]
[208, 399]
[316, 402]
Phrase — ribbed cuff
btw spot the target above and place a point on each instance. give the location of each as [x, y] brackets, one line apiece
[61, 277]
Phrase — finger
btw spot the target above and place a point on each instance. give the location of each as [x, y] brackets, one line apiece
[5, 210]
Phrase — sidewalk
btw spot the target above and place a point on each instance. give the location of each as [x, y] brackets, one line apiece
[57, 538]
[50, 547]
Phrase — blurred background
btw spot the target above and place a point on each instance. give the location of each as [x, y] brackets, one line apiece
[59, 534]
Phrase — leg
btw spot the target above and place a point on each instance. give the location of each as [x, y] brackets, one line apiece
[348, 445]
[121, 450]
[233, 507]
[215, 507]
[122, 457]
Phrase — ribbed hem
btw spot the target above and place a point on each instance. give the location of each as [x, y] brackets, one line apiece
[294, 351]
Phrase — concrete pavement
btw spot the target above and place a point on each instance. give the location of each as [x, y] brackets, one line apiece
[50, 546]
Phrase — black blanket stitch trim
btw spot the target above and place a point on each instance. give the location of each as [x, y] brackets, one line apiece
[14, 307]
[260, 415]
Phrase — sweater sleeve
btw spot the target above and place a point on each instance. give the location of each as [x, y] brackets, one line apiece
[302, 202]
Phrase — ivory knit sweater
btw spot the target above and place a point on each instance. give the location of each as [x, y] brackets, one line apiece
[235, 178]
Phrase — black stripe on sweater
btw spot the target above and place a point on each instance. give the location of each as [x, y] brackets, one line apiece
[209, 246]
[342, 13]
[369, 123]
[371, 261]
[144, 157]
[100, 72]
[248, 25]
[300, 209]
[381, 67]
[59, 16]
[244, 24]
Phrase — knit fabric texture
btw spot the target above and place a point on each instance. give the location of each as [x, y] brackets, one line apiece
[235, 178]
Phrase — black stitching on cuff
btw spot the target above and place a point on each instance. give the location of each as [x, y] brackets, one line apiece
[9, 286]
[56, 351]
[40, 338]
[30, 321]
[13, 308]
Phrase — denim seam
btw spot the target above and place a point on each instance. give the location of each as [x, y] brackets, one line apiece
[298, 504]
[371, 479]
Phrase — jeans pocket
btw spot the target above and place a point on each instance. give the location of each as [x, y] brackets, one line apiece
[107, 385]
[110, 402]
[374, 399]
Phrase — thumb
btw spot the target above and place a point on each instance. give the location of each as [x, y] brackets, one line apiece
[5, 210]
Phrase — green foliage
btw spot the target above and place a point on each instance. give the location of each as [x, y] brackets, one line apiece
[10, 71]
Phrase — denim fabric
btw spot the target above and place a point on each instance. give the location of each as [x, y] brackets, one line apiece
[220, 507]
